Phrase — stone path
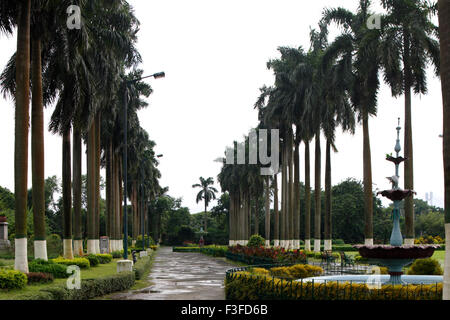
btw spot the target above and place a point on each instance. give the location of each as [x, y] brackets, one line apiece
[182, 276]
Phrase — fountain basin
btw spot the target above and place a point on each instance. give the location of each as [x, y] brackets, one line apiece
[395, 257]
[396, 194]
[396, 252]
[383, 279]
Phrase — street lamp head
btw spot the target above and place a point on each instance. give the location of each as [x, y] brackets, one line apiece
[159, 155]
[159, 75]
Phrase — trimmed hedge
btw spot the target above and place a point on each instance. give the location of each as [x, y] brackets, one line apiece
[297, 271]
[93, 259]
[427, 266]
[104, 258]
[90, 288]
[83, 263]
[245, 286]
[12, 279]
[55, 269]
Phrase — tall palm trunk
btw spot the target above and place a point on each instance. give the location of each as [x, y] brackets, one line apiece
[134, 208]
[122, 208]
[276, 225]
[37, 153]
[327, 224]
[267, 212]
[97, 183]
[444, 31]
[367, 179]
[230, 221]
[297, 196]
[78, 236]
[317, 191]
[67, 195]
[241, 218]
[291, 192]
[206, 215]
[91, 206]
[21, 134]
[409, 171]
[307, 198]
[283, 198]
[256, 215]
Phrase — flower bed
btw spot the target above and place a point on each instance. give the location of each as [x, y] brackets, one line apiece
[261, 255]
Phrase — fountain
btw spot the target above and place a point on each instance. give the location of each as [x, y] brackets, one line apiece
[396, 255]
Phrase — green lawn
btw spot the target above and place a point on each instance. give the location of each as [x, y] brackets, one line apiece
[94, 272]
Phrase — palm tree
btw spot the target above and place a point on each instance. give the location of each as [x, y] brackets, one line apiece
[409, 44]
[339, 112]
[444, 32]
[207, 193]
[359, 44]
[21, 131]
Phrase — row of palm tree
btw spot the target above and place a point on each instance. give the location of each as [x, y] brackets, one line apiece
[336, 85]
[83, 72]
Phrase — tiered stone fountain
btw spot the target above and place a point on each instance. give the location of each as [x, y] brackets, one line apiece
[396, 255]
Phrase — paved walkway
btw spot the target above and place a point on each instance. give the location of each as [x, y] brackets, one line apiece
[182, 276]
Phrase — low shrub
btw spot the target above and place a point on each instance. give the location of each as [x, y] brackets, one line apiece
[12, 279]
[297, 271]
[55, 269]
[117, 254]
[39, 277]
[142, 267]
[104, 258]
[247, 286]
[214, 251]
[338, 242]
[427, 266]
[256, 241]
[83, 263]
[93, 259]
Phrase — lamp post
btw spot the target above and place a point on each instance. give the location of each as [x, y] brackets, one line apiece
[125, 129]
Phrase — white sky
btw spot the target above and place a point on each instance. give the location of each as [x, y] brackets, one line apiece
[214, 54]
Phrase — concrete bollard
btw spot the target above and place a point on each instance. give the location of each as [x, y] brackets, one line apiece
[142, 254]
[124, 266]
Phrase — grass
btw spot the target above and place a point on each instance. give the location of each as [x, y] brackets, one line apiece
[94, 272]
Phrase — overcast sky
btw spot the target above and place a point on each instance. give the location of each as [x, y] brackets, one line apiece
[214, 54]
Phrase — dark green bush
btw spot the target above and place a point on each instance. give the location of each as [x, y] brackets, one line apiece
[57, 270]
[93, 259]
[104, 258]
[256, 241]
[119, 254]
[12, 279]
[427, 266]
[39, 277]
